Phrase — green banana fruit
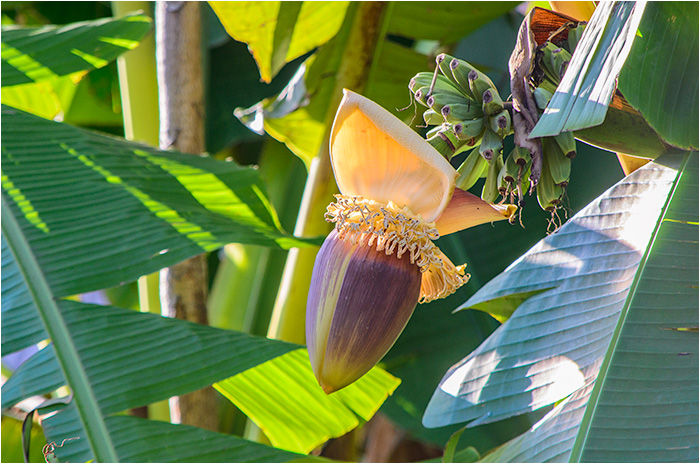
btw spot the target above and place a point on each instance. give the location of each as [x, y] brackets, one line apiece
[469, 130]
[490, 191]
[458, 112]
[501, 123]
[548, 193]
[471, 169]
[439, 99]
[432, 117]
[491, 144]
[522, 156]
[460, 73]
[491, 102]
[574, 36]
[542, 97]
[558, 164]
[425, 79]
[567, 143]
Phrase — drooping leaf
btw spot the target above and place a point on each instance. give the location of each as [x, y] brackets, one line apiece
[582, 98]
[614, 335]
[128, 209]
[660, 76]
[278, 32]
[283, 398]
[37, 54]
[140, 440]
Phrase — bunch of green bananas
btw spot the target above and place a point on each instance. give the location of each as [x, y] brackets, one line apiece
[558, 151]
[467, 112]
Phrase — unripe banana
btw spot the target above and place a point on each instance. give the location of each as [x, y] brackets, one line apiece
[554, 60]
[469, 130]
[490, 191]
[567, 144]
[491, 102]
[522, 156]
[512, 168]
[574, 36]
[504, 186]
[460, 74]
[421, 94]
[444, 141]
[542, 97]
[439, 99]
[491, 144]
[458, 112]
[558, 165]
[443, 61]
[479, 83]
[432, 118]
[548, 193]
[501, 123]
[425, 79]
[473, 167]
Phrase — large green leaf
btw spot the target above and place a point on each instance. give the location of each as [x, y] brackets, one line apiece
[660, 76]
[283, 398]
[266, 383]
[582, 98]
[139, 440]
[128, 209]
[37, 54]
[610, 337]
[278, 32]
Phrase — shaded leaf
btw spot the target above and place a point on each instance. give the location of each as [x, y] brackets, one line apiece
[37, 54]
[283, 398]
[660, 76]
[128, 209]
[278, 32]
[596, 314]
[443, 21]
[582, 98]
[205, 355]
[140, 440]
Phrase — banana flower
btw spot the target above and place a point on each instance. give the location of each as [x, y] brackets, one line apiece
[397, 195]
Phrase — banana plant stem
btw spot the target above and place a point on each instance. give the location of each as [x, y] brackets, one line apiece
[66, 352]
[138, 86]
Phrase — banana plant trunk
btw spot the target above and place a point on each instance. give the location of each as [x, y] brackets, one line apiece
[183, 287]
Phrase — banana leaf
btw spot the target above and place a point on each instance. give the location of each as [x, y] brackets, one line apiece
[611, 338]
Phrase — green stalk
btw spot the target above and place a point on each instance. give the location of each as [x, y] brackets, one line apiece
[66, 352]
[357, 41]
[138, 86]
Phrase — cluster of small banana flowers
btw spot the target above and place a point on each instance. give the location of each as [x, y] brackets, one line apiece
[468, 113]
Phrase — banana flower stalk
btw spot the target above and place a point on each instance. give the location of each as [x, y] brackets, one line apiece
[397, 195]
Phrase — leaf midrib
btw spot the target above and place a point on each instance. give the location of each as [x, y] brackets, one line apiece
[587, 420]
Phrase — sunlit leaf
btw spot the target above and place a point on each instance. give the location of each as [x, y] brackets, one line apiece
[582, 98]
[283, 398]
[278, 32]
[37, 54]
[128, 209]
[613, 321]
